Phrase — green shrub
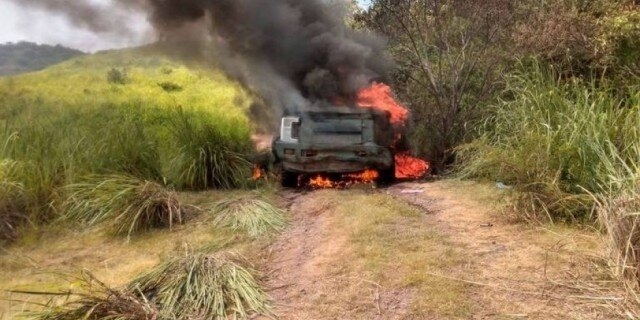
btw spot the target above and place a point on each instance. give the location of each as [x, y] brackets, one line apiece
[117, 76]
[170, 86]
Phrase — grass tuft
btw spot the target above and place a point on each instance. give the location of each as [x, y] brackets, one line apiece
[206, 156]
[97, 301]
[127, 204]
[203, 286]
[254, 216]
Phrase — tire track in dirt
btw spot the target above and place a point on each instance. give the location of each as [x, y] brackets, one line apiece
[306, 276]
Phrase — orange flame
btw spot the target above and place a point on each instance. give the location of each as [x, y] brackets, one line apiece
[321, 182]
[346, 180]
[367, 176]
[257, 172]
[409, 167]
[380, 96]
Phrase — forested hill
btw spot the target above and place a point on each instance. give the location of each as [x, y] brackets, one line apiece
[22, 57]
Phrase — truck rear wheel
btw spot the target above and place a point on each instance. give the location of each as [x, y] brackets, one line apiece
[288, 179]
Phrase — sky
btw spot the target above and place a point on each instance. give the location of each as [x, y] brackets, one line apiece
[29, 24]
[34, 25]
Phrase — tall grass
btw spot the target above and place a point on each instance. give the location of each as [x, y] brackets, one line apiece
[13, 202]
[618, 207]
[572, 149]
[548, 136]
[68, 122]
[207, 156]
[193, 286]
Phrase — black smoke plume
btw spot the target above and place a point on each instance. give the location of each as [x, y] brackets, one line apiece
[291, 52]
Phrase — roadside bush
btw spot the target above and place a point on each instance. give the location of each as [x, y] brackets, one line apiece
[191, 286]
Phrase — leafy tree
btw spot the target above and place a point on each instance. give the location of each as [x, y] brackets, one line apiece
[449, 55]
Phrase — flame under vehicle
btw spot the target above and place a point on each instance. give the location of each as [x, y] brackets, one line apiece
[335, 140]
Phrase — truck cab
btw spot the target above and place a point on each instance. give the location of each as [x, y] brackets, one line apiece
[335, 140]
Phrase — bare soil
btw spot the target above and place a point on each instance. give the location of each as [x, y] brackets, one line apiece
[500, 269]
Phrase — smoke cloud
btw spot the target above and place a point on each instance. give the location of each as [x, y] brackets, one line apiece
[291, 52]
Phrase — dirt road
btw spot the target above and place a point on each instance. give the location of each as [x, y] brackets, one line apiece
[441, 250]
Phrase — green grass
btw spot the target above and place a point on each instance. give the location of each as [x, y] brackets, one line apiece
[69, 121]
[13, 203]
[256, 217]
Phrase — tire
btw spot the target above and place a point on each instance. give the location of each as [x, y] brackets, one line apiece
[387, 176]
[288, 179]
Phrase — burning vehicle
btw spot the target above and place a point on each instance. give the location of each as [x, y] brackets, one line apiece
[333, 145]
[350, 142]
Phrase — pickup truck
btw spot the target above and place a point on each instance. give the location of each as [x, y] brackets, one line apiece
[335, 140]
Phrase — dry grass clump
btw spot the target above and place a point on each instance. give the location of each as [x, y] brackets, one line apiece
[99, 302]
[621, 217]
[12, 202]
[127, 204]
[203, 286]
[193, 286]
[254, 216]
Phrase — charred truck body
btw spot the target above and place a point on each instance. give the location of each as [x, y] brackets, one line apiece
[335, 140]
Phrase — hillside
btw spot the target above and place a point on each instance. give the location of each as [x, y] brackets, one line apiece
[135, 114]
[23, 57]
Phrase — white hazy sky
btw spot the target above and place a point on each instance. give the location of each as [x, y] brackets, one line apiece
[28, 24]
